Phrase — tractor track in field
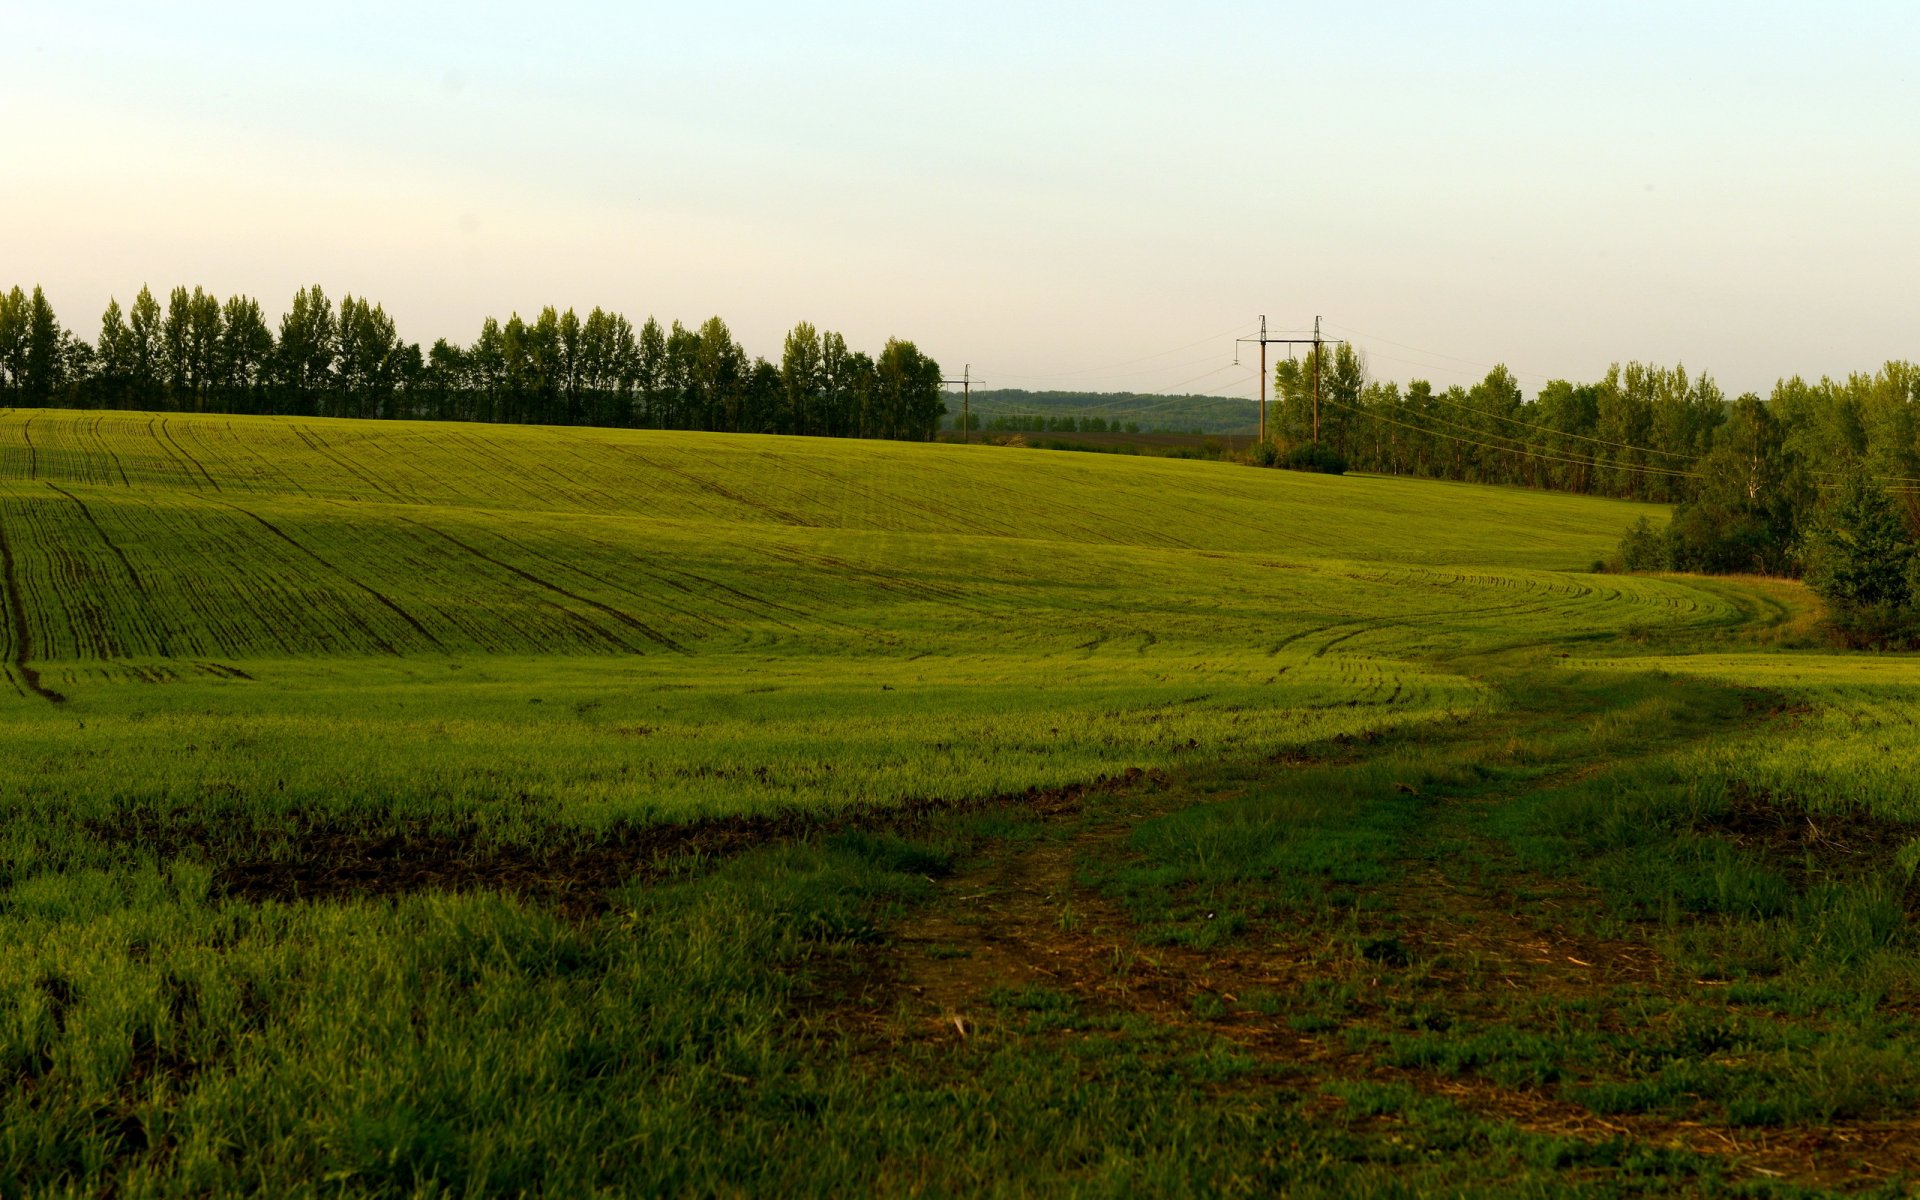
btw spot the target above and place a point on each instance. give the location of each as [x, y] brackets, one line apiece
[1023, 917]
[314, 442]
[688, 614]
[379, 597]
[715, 488]
[193, 462]
[628, 619]
[22, 632]
[113, 456]
[133, 576]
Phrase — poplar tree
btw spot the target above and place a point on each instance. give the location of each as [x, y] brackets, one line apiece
[243, 354]
[114, 357]
[44, 354]
[651, 377]
[13, 343]
[802, 379]
[146, 357]
[304, 356]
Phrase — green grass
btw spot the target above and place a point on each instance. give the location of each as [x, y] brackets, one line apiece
[1383, 736]
[264, 624]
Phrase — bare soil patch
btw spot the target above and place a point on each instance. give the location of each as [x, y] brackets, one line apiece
[575, 871]
[1021, 920]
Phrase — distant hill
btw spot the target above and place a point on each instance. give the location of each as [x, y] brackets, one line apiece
[1012, 409]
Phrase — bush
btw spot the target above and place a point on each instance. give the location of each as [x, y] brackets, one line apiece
[1266, 454]
[1310, 457]
[1644, 548]
[1713, 540]
[1874, 627]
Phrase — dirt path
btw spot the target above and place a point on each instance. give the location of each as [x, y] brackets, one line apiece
[1022, 917]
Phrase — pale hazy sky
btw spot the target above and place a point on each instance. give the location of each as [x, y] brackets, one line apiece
[1052, 192]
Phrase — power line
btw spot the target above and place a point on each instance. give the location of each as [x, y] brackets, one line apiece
[1263, 340]
[1109, 368]
[1133, 399]
[966, 382]
[1598, 441]
[1438, 354]
[1558, 433]
[1519, 449]
[1153, 370]
[1206, 375]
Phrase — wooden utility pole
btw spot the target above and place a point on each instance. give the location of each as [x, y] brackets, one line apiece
[1263, 341]
[1316, 341]
[1316, 379]
[966, 402]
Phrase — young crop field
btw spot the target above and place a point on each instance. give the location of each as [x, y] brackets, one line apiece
[406, 809]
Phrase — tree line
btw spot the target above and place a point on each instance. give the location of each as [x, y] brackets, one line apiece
[200, 353]
[1641, 431]
[1038, 423]
[1020, 411]
[1817, 479]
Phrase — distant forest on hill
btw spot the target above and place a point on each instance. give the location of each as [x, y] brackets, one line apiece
[202, 354]
[1011, 410]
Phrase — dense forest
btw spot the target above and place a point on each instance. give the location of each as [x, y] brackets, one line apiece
[202, 354]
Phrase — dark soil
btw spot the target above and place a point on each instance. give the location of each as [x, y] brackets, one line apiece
[573, 870]
[1806, 847]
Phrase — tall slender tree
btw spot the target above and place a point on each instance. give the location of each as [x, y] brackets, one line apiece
[304, 355]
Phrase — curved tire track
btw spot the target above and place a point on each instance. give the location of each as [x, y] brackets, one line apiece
[22, 635]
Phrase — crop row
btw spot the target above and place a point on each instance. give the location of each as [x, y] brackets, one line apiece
[104, 574]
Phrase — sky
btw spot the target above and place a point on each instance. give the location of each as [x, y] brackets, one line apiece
[1058, 196]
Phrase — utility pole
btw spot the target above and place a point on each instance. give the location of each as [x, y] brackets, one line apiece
[966, 402]
[1316, 341]
[1263, 376]
[1316, 379]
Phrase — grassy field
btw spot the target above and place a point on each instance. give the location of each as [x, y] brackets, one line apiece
[524, 628]
[430, 810]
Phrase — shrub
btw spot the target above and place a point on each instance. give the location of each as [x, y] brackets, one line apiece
[1644, 548]
[1874, 627]
[1713, 540]
[1310, 457]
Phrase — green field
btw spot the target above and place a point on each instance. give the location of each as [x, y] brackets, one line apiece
[535, 625]
[428, 809]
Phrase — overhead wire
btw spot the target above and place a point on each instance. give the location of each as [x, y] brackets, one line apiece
[1153, 370]
[1520, 446]
[1533, 452]
[1485, 366]
[1111, 367]
[1165, 400]
[1598, 441]
[1548, 429]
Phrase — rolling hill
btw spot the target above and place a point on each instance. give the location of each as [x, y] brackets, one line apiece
[393, 809]
[495, 622]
